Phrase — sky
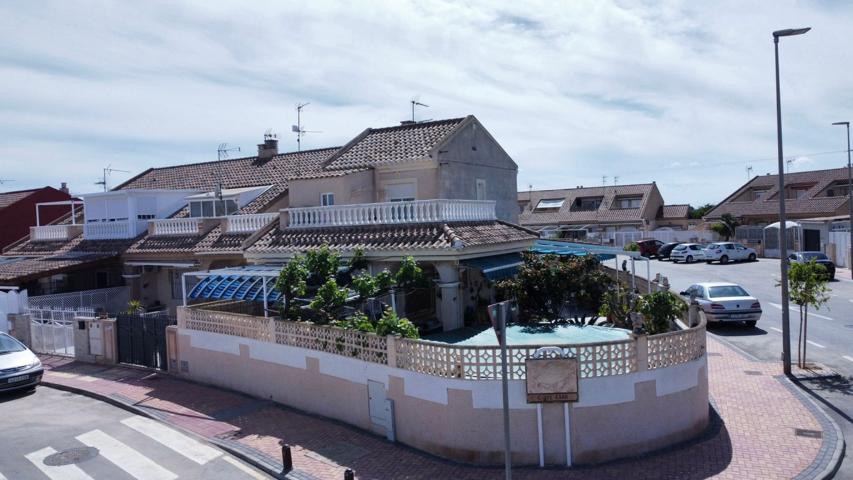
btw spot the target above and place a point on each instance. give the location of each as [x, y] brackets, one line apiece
[577, 92]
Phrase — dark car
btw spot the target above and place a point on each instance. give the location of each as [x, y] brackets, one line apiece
[19, 367]
[666, 249]
[649, 247]
[818, 257]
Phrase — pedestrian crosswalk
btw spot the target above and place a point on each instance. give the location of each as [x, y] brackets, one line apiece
[136, 447]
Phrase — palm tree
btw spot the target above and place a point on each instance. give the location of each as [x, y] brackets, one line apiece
[726, 226]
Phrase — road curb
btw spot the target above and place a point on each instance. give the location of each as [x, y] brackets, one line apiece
[247, 454]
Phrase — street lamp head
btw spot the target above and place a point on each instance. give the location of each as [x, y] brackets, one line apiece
[788, 32]
[841, 123]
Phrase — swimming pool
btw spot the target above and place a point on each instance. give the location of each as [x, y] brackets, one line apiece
[543, 334]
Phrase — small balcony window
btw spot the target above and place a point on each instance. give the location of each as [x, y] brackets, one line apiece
[627, 203]
[213, 208]
[327, 199]
[550, 204]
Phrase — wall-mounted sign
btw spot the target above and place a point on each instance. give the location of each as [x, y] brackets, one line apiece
[552, 380]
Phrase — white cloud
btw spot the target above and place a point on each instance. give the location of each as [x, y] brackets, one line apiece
[572, 90]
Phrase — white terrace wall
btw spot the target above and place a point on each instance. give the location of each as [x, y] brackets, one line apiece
[450, 405]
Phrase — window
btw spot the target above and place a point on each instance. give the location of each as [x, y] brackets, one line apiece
[213, 208]
[587, 204]
[837, 189]
[400, 192]
[550, 203]
[481, 189]
[327, 199]
[630, 202]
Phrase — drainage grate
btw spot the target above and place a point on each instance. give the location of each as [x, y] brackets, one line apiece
[71, 456]
[752, 372]
[800, 432]
[715, 354]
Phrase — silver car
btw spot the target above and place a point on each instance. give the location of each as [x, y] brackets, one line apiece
[19, 367]
[725, 302]
[687, 252]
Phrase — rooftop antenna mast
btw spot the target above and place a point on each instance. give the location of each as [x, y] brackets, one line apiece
[788, 164]
[748, 172]
[108, 171]
[222, 154]
[415, 103]
[298, 129]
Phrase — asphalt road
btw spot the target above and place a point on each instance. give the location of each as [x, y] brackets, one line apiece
[95, 440]
[830, 329]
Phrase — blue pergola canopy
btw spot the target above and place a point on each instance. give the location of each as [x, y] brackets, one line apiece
[237, 283]
[565, 249]
[496, 267]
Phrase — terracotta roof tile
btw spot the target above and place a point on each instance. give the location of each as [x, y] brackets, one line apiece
[566, 214]
[51, 258]
[675, 211]
[8, 198]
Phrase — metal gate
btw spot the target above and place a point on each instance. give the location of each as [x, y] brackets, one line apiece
[142, 339]
[52, 329]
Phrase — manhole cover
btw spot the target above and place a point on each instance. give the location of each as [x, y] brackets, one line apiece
[70, 456]
[801, 432]
[752, 372]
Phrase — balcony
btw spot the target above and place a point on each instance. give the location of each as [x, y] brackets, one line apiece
[248, 223]
[389, 213]
[107, 230]
[174, 227]
[54, 233]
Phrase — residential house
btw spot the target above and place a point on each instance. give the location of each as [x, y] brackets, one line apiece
[599, 212]
[442, 191]
[23, 208]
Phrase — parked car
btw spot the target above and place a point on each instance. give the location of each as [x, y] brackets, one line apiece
[724, 252]
[649, 247]
[726, 302]
[19, 367]
[687, 252]
[665, 249]
[818, 257]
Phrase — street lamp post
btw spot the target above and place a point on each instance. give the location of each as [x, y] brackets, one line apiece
[783, 221]
[849, 198]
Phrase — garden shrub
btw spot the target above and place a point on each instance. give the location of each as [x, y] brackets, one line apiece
[659, 309]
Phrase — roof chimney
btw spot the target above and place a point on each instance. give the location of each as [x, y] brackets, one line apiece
[269, 148]
[64, 188]
[407, 122]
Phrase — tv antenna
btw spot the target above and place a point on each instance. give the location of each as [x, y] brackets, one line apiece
[748, 172]
[415, 102]
[222, 154]
[604, 180]
[298, 129]
[788, 163]
[108, 171]
[5, 180]
[615, 180]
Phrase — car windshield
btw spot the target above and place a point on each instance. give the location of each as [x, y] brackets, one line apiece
[680, 247]
[813, 255]
[727, 291]
[9, 345]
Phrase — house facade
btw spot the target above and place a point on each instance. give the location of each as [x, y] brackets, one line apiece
[19, 210]
[599, 212]
[441, 191]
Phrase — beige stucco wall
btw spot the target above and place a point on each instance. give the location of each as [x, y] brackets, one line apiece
[348, 189]
[425, 180]
[458, 419]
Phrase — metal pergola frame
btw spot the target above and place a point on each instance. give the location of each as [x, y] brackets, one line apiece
[260, 272]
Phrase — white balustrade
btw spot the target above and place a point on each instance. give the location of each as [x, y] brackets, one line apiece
[417, 211]
[48, 233]
[175, 226]
[107, 230]
[248, 223]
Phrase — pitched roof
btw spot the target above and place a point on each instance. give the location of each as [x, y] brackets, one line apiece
[423, 236]
[674, 211]
[402, 143]
[568, 212]
[38, 259]
[814, 203]
[8, 198]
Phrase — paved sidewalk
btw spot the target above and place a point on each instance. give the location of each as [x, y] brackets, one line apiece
[762, 428]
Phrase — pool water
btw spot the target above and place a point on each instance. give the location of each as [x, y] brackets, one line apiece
[543, 334]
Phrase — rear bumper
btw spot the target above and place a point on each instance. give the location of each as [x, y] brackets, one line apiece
[733, 317]
[33, 378]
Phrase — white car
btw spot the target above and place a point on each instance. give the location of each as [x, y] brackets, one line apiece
[725, 252]
[687, 252]
[19, 367]
[725, 302]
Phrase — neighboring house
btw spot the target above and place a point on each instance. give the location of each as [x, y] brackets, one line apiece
[18, 211]
[599, 212]
[442, 191]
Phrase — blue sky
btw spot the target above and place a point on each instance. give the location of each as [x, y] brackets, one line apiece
[676, 92]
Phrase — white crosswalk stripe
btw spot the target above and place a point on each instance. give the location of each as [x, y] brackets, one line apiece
[124, 457]
[2, 477]
[64, 472]
[186, 446]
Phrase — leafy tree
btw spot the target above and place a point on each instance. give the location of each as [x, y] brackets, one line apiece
[726, 226]
[699, 212]
[557, 290]
[659, 309]
[409, 274]
[617, 304]
[292, 282]
[358, 321]
[358, 260]
[632, 247]
[366, 285]
[328, 301]
[807, 286]
[384, 280]
[390, 324]
[322, 264]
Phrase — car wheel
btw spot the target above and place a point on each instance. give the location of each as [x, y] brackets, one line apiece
[751, 257]
[751, 323]
[724, 259]
[690, 259]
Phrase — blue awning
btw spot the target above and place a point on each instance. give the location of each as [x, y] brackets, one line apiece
[237, 283]
[565, 249]
[496, 267]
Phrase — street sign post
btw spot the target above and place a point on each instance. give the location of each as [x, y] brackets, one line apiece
[498, 313]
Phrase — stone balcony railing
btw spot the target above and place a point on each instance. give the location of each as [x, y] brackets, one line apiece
[54, 233]
[417, 211]
[174, 226]
[248, 223]
[107, 230]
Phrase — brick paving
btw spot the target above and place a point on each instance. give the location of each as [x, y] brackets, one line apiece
[762, 428]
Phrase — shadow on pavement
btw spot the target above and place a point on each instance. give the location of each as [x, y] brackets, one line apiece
[735, 330]
[835, 384]
[16, 394]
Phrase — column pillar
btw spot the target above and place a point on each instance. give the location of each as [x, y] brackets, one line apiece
[449, 309]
